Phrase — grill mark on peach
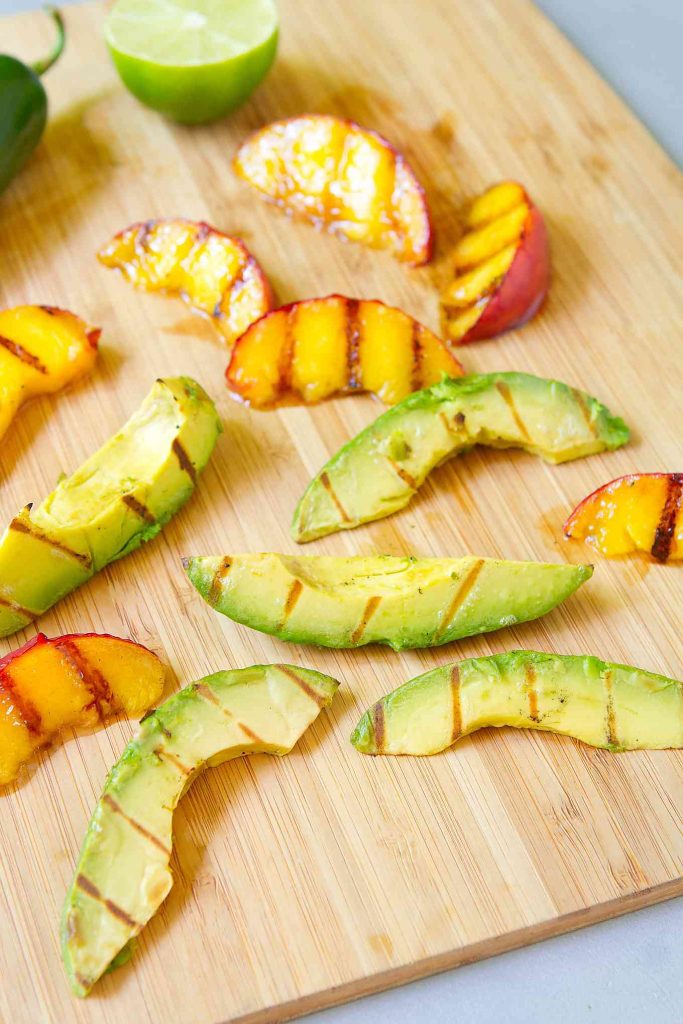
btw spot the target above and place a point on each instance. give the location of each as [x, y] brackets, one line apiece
[286, 357]
[118, 809]
[93, 336]
[303, 685]
[610, 720]
[353, 340]
[531, 691]
[93, 680]
[90, 889]
[13, 606]
[325, 481]
[456, 727]
[138, 508]
[166, 755]
[184, 460]
[379, 726]
[26, 709]
[405, 476]
[51, 310]
[20, 526]
[664, 533]
[459, 597]
[505, 393]
[416, 339]
[370, 608]
[585, 411]
[290, 603]
[22, 354]
[217, 581]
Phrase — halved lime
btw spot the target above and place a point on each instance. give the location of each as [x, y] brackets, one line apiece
[193, 60]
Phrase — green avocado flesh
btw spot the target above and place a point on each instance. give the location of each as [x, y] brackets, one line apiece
[123, 872]
[399, 601]
[379, 471]
[604, 705]
[120, 497]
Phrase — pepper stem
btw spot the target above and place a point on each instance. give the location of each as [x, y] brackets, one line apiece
[41, 66]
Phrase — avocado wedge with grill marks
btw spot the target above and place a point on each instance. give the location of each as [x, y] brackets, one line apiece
[379, 471]
[123, 873]
[400, 601]
[604, 705]
[121, 496]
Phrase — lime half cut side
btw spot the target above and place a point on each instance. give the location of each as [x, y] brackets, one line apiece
[193, 60]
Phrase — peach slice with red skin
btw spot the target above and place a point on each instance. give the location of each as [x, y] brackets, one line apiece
[75, 680]
[342, 177]
[501, 267]
[214, 273]
[639, 512]
[308, 351]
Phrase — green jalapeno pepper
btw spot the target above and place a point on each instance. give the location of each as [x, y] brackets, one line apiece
[23, 105]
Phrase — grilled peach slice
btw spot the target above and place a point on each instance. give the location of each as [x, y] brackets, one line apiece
[310, 350]
[75, 680]
[640, 512]
[501, 267]
[42, 349]
[214, 273]
[342, 177]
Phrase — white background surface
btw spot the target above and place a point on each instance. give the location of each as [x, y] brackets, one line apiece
[629, 970]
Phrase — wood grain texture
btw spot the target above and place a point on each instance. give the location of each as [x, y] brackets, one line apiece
[326, 875]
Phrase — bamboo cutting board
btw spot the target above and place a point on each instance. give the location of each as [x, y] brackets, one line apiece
[327, 875]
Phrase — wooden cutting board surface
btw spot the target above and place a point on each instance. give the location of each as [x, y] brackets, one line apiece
[312, 879]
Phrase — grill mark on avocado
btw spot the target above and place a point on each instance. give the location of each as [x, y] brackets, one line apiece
[184, 460]
[459, 597]
[505, 393]
[166, 755]
[664, 533]
[379, 726]
[138, 508]
[416, 340]
[292, 598]
[531, 691]
[353, 340]
[118, 809]
[404, 475]
[90, 889]
[21, 526]
[325, 481]
[26, 709]
[585, 411]
[610, 720]
[92, 678]
[22, 354]
[207, 694]
[13, 606]
[302, 684]
[369, 610]
[217, 581]
[456, 728]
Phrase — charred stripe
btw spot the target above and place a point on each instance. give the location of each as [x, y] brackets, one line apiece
[184, 460]
[369, 610]
[26, 709]
[21, 526]
[22, 354]
[290, 603]
[326, 483]
[353, 345]
[102, 697]
[416, 383]
[217, 581]
[403, 474]
[303, 685]
[666, 527]
[138, 508]
[505, 393]
[91, 890]
[459, 597]
[116, 807]
[456, 728]
[531, 691]
[610, 720]
[379, 726]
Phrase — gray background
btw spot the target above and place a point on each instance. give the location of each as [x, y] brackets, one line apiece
[629, 970]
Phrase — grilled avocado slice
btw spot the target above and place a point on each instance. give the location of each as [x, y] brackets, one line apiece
[120, 497]
[123, 872]
[612, 706]
[399, 601]
[379, 471]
